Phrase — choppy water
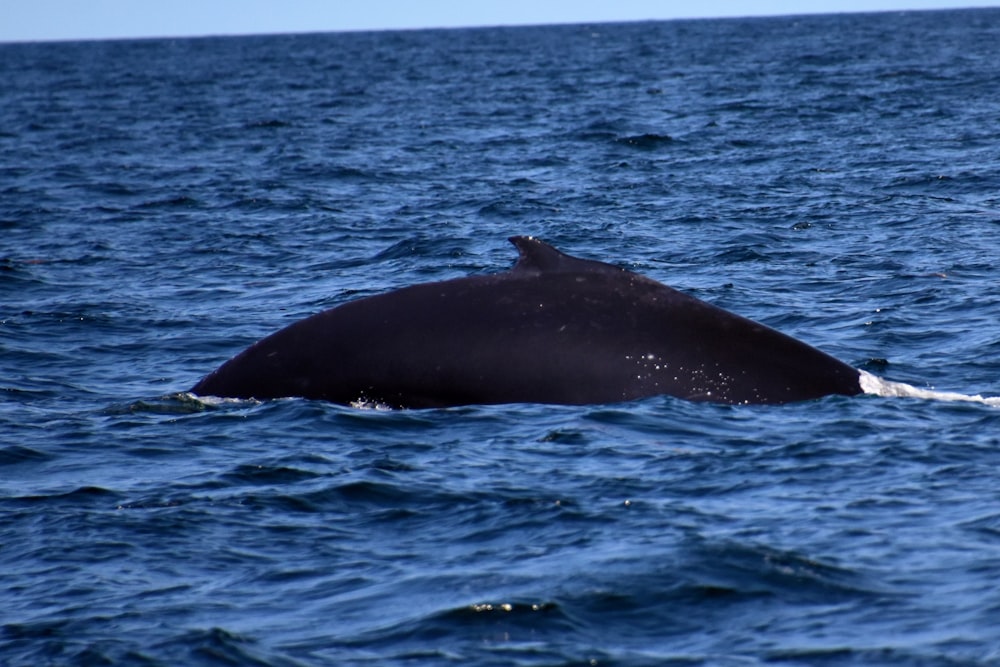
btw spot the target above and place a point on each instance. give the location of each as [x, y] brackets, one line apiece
[165, 203]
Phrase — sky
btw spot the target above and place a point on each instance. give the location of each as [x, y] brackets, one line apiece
[43, 20]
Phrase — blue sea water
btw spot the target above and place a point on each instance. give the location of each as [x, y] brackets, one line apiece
[164, 203]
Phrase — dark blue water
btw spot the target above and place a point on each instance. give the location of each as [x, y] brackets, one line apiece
[165, 203]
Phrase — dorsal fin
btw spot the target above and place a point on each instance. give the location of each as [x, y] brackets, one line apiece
[537, 257]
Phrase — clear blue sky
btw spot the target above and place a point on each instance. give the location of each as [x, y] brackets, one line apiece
[31, 20]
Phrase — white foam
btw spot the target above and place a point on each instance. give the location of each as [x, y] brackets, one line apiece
[872, 384]
[365, 404]
[216, 401]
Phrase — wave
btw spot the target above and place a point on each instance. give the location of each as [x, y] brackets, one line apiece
[872, 384]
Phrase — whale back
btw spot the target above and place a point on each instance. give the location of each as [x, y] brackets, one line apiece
[552, 329]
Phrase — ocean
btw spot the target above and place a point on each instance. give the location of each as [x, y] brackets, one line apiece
[164, 203]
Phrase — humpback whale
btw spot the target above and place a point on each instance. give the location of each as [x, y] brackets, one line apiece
[553, 329]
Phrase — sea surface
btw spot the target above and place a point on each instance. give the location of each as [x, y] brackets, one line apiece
[164, 203]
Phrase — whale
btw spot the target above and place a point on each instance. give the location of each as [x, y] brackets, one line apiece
[553, 329]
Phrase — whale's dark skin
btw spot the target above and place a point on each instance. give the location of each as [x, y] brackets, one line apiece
[553, 329]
